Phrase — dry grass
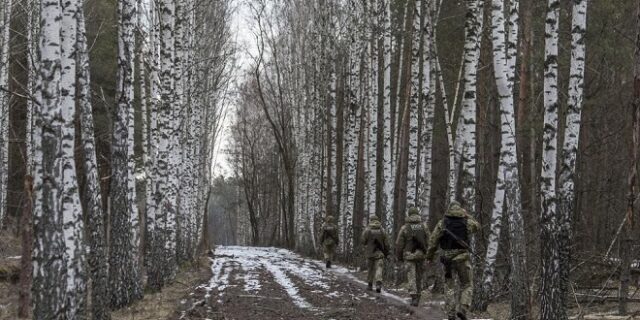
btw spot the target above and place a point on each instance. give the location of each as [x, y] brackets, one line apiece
[162, 305]
[9, 270]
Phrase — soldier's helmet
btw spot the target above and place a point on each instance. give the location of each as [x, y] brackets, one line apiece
[456, 210]
[329, 219]
[374, 217]
[414, 211]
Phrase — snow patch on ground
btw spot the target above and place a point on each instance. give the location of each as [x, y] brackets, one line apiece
[220, 270]
[280, 263]
[286, 283]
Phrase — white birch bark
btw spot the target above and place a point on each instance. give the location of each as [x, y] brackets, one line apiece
[507, 195]
[71, 209]
[153, 140]
[550, 294]
[388, 135]
[449, 112]
[49, 269]
[167, 9]
[32, 69]
[566, 177]
[412, 166]
[97, 259]
[4, 108]
[124, 274]
[372, 111]
[466, 130]
[428, 92]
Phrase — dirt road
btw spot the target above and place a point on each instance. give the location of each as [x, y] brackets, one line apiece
[269, 283]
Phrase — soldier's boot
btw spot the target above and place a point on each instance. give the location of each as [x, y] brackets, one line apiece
[415, 300]
[462, 315]
[328, 264]
[370, 286]
[378, 286]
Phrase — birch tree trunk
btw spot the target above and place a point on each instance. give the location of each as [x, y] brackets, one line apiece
[412, 165]
[33, 27]
[507, 195]
[98, 260]
[4, 107]
[124, 279]
[466, 130]
[49, 269]
[566, 177]
[388, 130]
[71, 209]
[551, 303]
[428, 92]
[153, 141]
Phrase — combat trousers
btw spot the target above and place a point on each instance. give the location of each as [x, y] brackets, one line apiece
[374, 268]
[329, 252]
[415, 270]
[462, 269]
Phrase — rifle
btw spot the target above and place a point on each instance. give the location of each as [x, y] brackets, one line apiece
[463, 243]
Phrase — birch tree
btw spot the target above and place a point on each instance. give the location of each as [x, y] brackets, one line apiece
[4, 107]
[388, 174]
[428, 93]
[507, 194]
[73, 227]
[49, 269]
[123, 274]
[98, 260]
[466, 129]
[552, 305]
[566, 177]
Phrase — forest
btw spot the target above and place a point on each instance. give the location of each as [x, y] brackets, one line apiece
[117, 115]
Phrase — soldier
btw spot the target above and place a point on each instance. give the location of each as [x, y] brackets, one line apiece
[329, 239]
[376, 246]
[452, 235]
[411, 248]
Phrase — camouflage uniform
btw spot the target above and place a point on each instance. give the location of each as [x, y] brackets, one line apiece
[411, 247]
[455, 256]
[376, 246]
[329, 240]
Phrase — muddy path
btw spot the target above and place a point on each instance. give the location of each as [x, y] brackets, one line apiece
[269, 283]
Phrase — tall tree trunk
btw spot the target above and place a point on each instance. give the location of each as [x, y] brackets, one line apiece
[5, 98]
[552, 305]
[124, 277]
[507, 195]
[388, 131]
[414, 98]
[49, 269]
[98, 260]
[26, 268]
[466, 130]
[626, 237]
[566, 177]
[429, 98]
[73, 225]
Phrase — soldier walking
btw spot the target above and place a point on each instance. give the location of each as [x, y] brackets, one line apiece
[411, 248]
[376, 246]
[452, 235]
[329, 240]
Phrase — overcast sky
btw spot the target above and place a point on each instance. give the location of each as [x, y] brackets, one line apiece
[243, 35]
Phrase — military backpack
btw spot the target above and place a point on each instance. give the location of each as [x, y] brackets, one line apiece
[455, 235]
